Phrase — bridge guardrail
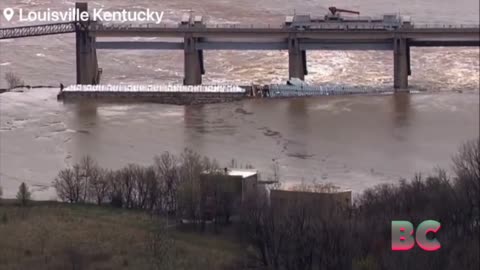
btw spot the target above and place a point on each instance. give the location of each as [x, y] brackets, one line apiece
[327, 26]
[37, 30]
[447, 26]
[68, 27]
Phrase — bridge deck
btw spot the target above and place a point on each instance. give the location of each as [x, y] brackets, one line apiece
[426, 35]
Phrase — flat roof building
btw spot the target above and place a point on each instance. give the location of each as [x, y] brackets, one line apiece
[224, 191]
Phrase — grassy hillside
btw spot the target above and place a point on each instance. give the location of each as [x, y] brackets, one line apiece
[49, 235]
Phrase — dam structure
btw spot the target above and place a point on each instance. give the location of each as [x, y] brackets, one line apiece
[194, 36]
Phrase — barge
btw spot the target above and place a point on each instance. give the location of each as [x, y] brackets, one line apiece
[167, 94]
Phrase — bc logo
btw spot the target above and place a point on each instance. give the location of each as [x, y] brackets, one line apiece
[402, 235]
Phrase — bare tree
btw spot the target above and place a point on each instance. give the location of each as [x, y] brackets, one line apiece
[115, 194]
[126, 178]
[153, 190]
[99, 185]
[69, 185]
[81, 183]
[166, 167]
[143, 178]
[189, 184]
[23, 194]
[13, 80]
[90, 172]
[467, 180]
[316, 187]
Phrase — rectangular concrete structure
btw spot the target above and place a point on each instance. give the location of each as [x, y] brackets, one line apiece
[298, 42]
[401, 69]
[86, 54]
[231, 186]
[297, 60]
[193, 62]
[205, 45]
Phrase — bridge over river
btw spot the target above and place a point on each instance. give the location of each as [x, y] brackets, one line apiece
[193, 39]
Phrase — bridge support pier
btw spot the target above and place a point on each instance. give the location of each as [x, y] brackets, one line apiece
[193, 67]
[401, 64]
[297, 60]
[86, 53]
[408, 59]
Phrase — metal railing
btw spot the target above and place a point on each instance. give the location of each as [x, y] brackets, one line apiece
[447, 26]
[319, 26]
[69, 27]
[37, 30]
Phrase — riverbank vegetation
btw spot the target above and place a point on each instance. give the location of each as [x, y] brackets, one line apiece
[129, 219]
[16, 83]
[13, 80]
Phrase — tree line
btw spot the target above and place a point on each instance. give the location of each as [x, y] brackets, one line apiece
[170, 186]
[305, 236]
[359, 237]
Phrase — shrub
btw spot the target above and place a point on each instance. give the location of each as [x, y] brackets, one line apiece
[13, 80]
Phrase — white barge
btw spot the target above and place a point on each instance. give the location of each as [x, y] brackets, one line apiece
[169, 94]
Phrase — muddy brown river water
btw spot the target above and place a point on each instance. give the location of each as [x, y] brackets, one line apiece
[352, 141]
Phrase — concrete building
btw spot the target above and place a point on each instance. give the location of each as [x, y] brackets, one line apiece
[223, 192]
[248, 178]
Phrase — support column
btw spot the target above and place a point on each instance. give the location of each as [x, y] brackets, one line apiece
[408, 59]
[193, 66]
[202, 64]
[304, 61]
[400, 64]
[86, 53]
[297, 60]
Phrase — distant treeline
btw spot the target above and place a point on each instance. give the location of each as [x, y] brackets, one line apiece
[15, 82]
[358, 237]
[168, 187]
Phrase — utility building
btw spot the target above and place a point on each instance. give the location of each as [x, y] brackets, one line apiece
[223, 192]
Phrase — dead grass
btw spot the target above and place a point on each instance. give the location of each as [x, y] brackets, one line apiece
[61, 236]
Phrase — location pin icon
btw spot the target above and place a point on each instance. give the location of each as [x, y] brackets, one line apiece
[8, 13]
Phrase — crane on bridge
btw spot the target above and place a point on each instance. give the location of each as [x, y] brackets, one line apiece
[335, 14]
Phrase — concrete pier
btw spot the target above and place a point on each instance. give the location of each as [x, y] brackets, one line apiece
[297, 60]
[86, 53]
[193, 67]
[409, 63]
[401, 63]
